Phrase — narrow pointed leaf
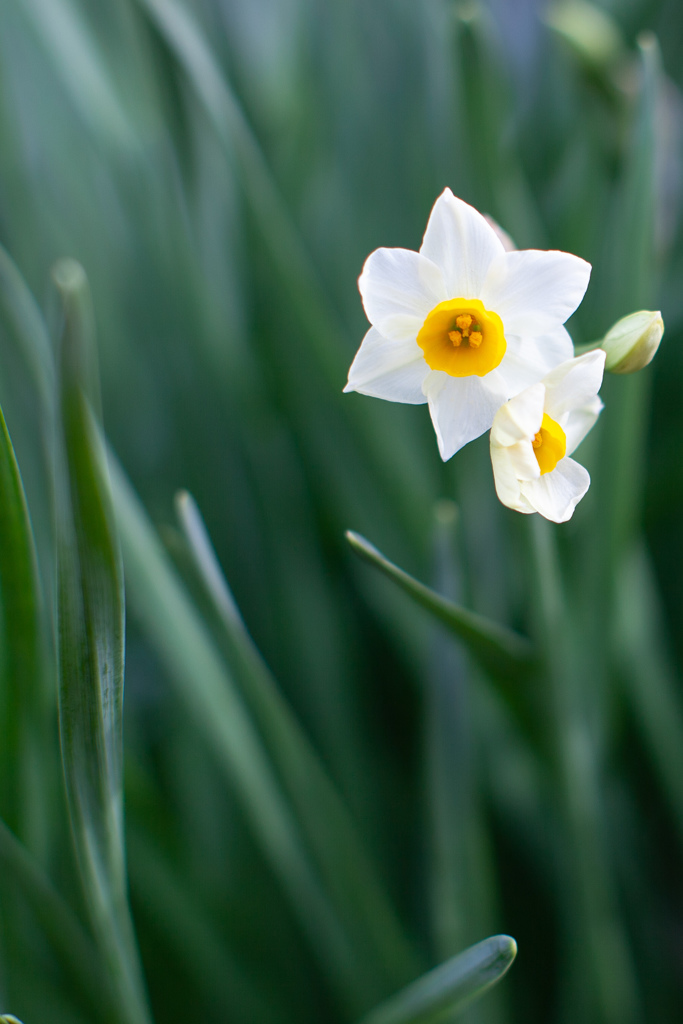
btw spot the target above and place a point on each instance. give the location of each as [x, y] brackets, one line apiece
[329, 831]
[498, 649]
[185, 39]
[450, 987]
[91, 656]
[211, 697]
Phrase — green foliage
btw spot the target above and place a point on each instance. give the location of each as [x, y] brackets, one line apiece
[336, 777]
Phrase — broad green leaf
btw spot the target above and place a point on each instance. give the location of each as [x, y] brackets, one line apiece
[90, 609]
[498, 649]
[324, 820]
[209, 692]
[450, 987]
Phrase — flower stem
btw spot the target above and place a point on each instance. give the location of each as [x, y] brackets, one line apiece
[603, 965]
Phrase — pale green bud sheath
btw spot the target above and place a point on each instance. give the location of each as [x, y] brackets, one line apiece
[633, 341]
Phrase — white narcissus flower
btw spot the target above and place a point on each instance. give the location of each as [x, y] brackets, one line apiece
[462, 324]
[534, 434]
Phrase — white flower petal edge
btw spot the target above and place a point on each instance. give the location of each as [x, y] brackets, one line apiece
[388, 369]
[574, 384]
[568, 395]
[555, 495]
[534, 291]
[460, 241]
[461, 407]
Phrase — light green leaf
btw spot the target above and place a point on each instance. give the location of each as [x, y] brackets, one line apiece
[451, 986]
[499, 650]
[90, 608]
[78, 62]
[23, 318]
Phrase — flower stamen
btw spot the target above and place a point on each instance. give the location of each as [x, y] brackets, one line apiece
[462, 338]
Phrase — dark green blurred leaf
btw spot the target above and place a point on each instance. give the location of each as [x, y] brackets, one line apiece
[62, 930]
[24, 319]
[449, 988]
[78, 63]
[212, 697]
[652, 687]
[189, 931]
[344, 866]
[23, 662]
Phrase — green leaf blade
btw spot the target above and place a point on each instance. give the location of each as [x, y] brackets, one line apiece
[499, 650]
[449, 988]
[23, 665]
[90, 605]
[323, 817]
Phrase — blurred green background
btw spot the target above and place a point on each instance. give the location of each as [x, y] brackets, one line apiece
[221, 169]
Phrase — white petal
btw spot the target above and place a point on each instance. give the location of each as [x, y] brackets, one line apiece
[399, 288]
[459, 240]
[506, 480]
[520, 418]
[532, 291]
[528, 359]
[556, 494]
[579, 422]
[574, 383]
[393, 370]
[461, 408]
[524, 461]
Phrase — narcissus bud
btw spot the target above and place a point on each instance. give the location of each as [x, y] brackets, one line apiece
[632, 342]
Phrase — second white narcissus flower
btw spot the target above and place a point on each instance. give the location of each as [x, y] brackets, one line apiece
[463, 324]
[534, 434]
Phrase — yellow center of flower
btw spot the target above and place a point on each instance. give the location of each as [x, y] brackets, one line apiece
[462, 338]
[549, 444]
